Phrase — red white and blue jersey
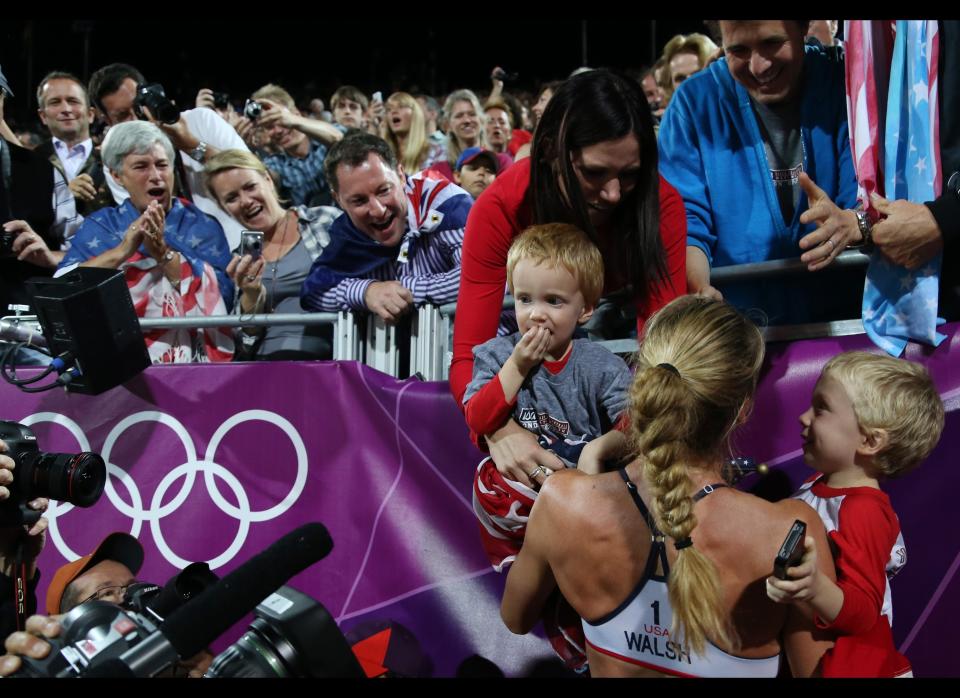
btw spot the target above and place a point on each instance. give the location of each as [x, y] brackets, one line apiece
[868, 541]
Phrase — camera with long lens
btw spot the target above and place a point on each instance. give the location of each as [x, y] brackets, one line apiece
[252, 109]
[97, 631]
[76, 478]
[155, 99]
[291, 636]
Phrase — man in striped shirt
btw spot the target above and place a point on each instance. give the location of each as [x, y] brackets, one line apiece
[397, 244]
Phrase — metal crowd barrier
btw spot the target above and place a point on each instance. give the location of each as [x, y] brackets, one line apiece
[367, 338]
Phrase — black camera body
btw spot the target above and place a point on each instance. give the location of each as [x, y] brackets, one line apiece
[6, 243]
[291, 636]
[252, 109]
[92, 633]
[77, 478]
[221, 100]
[97, 631]
[155, 99]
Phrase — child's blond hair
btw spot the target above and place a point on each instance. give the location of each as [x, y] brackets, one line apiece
[560, 245]
[895, 395]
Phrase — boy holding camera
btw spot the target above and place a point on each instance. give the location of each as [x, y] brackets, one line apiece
[871, 417]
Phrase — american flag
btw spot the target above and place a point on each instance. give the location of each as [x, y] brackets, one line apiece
[892, 75]
[154, 296]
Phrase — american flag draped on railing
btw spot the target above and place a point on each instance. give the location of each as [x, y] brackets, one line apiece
[898, 158]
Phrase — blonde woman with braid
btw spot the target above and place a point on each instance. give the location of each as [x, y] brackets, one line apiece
[664, 563]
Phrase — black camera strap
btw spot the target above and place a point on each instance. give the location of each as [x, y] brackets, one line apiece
[6, 185]
[20, 584]
[181, 177]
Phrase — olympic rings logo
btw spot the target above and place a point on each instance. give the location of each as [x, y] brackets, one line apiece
[188, 470]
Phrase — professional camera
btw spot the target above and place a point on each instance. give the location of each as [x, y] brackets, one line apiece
[221, 100]
[252, 109]
[96, 631]
[291, 636]
[77, 478]
[155, 99]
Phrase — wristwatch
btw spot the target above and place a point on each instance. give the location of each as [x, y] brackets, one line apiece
[168, 256]
[200, 152]
[863, 222]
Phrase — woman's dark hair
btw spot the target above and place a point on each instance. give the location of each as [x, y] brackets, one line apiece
[553, 86]
[585, 110]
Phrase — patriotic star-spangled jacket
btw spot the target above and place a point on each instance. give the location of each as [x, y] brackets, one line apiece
[196, 236]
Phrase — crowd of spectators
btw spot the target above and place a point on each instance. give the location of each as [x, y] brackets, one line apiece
[750, 135]
[711, 157]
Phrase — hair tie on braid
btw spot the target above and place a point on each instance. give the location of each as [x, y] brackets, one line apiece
[670, 367]
[683, 543]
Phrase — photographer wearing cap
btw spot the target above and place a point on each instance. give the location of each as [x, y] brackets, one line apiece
[196, 135]
[103, 575]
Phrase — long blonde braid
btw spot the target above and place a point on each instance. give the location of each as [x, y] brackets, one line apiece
[696, 368]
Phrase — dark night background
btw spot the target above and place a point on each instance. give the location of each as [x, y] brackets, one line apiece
[312, 56]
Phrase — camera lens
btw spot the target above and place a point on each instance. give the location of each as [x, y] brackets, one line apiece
[260, 653]
[76, 478]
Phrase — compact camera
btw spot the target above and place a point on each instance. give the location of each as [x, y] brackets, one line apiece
[77, 478]
[251, 243]
[6, 243]
[221, 100]
[252, 109]
[155, 99]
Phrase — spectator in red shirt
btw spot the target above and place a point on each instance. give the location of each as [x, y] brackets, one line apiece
[598, 172]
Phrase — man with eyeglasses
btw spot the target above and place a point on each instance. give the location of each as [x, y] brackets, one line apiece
[103, 575]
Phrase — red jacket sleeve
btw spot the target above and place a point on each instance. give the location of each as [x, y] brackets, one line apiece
[866, 532]
[488, 409]
[491, 226]
[673, 234]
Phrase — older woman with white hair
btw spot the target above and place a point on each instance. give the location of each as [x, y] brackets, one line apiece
[173, 256]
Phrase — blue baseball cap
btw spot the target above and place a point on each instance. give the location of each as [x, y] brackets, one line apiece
[471, 154]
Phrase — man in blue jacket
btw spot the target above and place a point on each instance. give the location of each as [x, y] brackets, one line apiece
[743, 141]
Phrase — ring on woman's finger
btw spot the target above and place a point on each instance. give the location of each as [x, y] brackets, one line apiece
[251, 278]
[832, 243]
[535, 471]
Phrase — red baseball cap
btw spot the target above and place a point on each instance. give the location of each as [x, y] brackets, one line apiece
[119, 547]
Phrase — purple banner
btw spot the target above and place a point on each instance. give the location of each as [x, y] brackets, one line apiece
[215, 462]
